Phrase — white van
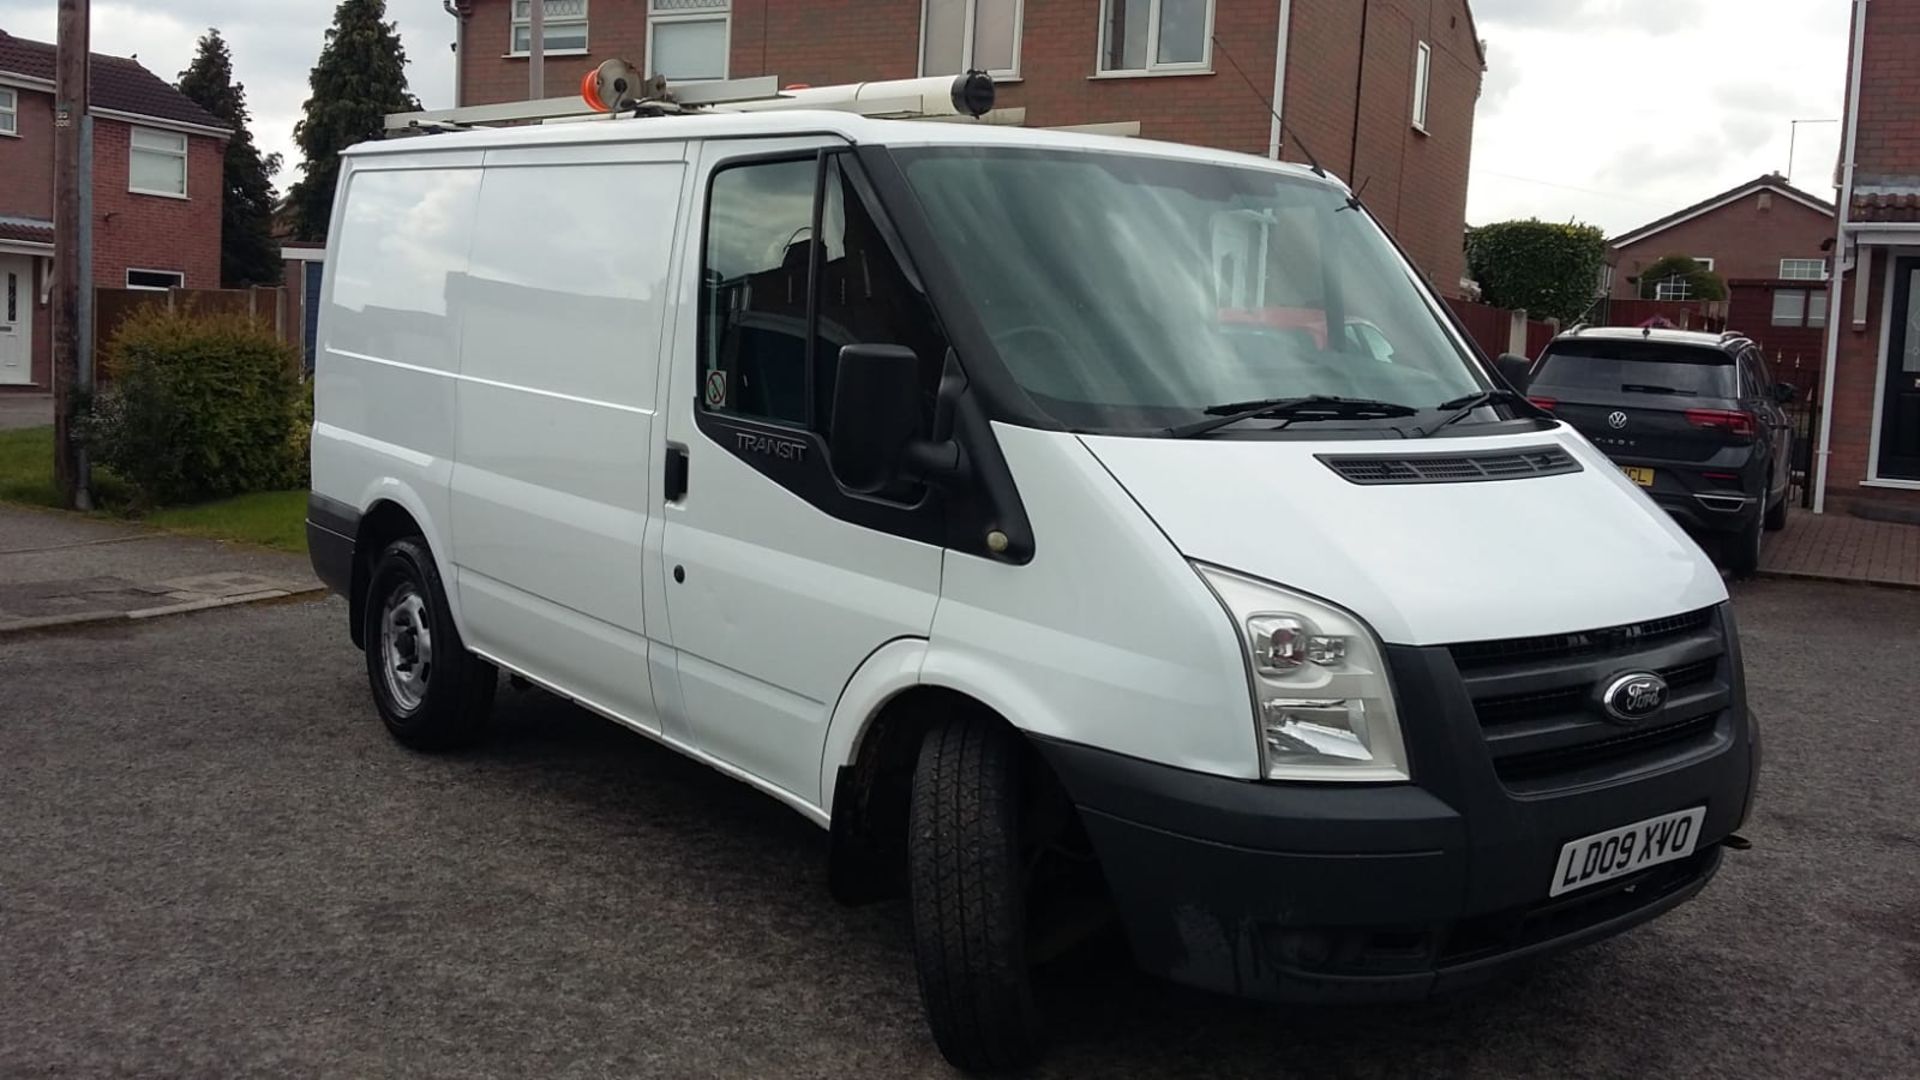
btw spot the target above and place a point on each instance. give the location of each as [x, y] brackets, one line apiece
[1059, 520]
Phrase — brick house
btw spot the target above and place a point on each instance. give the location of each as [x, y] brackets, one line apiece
[1869, 450]
[1383, 91]
[1769, 242]
[1762, 230]
[157, 190]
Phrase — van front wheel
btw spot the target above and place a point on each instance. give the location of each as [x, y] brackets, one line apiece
[431, 692]
[967, 881]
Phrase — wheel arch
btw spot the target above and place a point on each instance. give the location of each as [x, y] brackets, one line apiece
[393, 511]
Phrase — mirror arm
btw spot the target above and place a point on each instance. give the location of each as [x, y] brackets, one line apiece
[937, 462]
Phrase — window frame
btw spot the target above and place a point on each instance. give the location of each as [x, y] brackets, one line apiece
[722, 15]
[1820, 266]
[179, 279]
[1204, 66]
[10, 111]
[971, 19]
[1678, 284]
[1422, 86]
[514, 23]
[134, 131]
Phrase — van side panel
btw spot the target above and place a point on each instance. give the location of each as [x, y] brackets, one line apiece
[389, 340]
[562, 309]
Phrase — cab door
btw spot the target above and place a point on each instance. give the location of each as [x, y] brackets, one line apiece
[778, 582]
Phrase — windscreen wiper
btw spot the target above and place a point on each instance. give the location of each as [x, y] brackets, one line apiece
[1650, 388]
[1472, 403]
[1291, 410]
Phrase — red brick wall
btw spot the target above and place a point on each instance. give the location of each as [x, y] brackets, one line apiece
[26, 163]
[1743, 240]
[153, 232]
[1889, 135]
[1416, 184]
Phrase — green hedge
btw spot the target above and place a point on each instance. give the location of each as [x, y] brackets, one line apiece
[200, 407]
[1553, 271]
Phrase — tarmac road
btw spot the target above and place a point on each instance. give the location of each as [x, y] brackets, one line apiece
[214, 863]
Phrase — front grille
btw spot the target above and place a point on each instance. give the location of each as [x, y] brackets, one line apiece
[1581, 643]
[1451, 468]
[1535, 700]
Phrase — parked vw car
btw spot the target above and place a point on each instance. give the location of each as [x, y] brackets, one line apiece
[986, 496]
[1693, 418]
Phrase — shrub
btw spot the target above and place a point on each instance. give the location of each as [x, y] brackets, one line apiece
[1553, 271]
[1706, 285]
[198, 407]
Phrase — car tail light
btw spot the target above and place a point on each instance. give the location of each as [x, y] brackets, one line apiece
[1546, 403]
[1725, 479]
[1733, 423]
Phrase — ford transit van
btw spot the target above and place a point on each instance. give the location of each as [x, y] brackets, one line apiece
[1064, 522]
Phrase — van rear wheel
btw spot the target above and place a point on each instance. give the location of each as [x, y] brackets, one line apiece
[432, 694]
[967, 881]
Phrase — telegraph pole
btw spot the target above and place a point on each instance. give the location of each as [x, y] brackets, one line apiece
[70, 98]
[537, 51]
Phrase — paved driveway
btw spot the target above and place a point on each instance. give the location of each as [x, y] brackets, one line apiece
[213, 863]
[25, 411]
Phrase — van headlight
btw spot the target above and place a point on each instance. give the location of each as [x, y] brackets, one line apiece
[1322, 705]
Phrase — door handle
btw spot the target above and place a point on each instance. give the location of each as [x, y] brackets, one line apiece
[676, 479]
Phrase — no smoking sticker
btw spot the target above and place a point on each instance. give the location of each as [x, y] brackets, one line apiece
[716, 389]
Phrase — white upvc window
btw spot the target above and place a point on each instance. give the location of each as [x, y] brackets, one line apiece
[1803, 269]
[687, 40]
[564, 29]
[9, 111]
[157, 163]
[971, 35]
[1789, 307]
[155, 280]
[1156, 37]
[1422, 85]
[1674, 288]
[1705, 262]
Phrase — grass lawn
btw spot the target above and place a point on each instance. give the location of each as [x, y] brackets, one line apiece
[275, 519]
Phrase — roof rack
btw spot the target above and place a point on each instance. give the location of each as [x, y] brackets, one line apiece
[616, 90]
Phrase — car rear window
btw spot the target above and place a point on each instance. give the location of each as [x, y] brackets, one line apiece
[1617, 367]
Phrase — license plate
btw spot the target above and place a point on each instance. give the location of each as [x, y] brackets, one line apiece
[1591, 860]
[1643, 477]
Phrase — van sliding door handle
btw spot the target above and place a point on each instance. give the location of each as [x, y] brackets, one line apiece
[676, 488]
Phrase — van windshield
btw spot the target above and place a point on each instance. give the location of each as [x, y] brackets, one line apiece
[1131, 294]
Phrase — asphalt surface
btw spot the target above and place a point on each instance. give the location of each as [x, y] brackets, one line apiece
[214, 863]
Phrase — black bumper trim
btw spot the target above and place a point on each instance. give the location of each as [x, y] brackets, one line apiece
[331, 528]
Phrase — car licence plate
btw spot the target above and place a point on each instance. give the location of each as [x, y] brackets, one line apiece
[1643, 477]
[1626, 850]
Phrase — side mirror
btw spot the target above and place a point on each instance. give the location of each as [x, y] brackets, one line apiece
[876, 410]
[1784, 392]
[1515, 370]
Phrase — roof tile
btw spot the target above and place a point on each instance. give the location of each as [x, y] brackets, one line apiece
[118, 83]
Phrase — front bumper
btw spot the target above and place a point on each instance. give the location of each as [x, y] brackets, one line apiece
[1342, 893]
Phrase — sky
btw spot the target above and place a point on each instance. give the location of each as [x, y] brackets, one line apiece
[1611, 112]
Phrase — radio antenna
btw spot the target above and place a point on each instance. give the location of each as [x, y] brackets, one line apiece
[1268, 102]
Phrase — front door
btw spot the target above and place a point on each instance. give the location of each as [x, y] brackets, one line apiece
[1900, 411]
[16, 320]
[779, 582]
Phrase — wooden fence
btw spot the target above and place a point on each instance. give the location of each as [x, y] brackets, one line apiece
[113, 307]
[1498, 330]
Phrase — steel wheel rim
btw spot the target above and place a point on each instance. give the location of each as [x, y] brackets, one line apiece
[406, 648]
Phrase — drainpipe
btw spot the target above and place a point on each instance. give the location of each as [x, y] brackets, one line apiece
[1862, 263]
[1274, 134]
[1359, 88]
[459, 52]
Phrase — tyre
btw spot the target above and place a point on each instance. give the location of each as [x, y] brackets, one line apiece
[967, 883]
[1743, 549]
[1777, 514]
[431, 692]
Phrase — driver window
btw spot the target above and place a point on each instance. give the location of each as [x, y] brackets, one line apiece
[766, 352]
